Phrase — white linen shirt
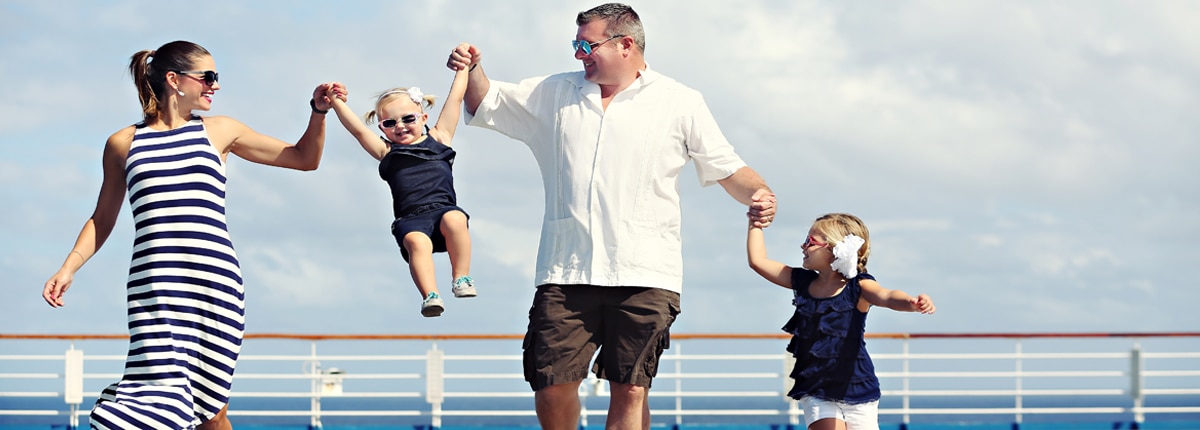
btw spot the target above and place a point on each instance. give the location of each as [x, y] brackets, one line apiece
[611, 177]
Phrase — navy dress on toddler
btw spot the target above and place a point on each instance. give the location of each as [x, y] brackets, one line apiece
[421, 179]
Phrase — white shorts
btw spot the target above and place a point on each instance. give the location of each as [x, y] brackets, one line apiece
[862, 416]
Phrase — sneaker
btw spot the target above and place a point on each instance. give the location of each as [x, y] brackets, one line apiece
[464, 286]
[432, 306]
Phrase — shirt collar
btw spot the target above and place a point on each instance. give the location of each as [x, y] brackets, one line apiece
[645, 77]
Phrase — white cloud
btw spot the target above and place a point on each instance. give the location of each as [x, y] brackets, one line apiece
[1006, 156]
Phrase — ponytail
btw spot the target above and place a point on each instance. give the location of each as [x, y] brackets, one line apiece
[139, 69]
[149, 71]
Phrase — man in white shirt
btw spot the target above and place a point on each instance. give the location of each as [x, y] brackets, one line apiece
[611, 141]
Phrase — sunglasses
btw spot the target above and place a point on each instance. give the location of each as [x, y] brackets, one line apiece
[210, 76]
[588, 47]
[811, 242]
[391, 122]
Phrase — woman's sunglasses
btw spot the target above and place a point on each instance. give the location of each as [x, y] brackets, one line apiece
[210, 76]
[391, 122]
[812, 241]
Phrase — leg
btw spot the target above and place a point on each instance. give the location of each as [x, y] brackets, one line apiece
[828, 424]
[458, 242]
[824, 414]
[420, 265]
[557, 406]
[558, 346]
[629, 407]
[637, 330]
[218, 422]
[420, 262]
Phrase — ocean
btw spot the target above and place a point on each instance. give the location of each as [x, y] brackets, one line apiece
[242, 410]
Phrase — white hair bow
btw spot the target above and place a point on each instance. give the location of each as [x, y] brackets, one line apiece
[414, 94]
[845, 255]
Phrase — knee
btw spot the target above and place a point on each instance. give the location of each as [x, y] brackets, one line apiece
[628, 394]
[417, 242]
[626, 391]
[558, 391]
[454, 221]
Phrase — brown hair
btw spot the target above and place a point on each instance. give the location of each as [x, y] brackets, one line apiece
[834, 227]
[149, 70]
[622, 20]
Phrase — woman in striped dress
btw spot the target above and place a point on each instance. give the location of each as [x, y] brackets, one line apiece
[184, 292]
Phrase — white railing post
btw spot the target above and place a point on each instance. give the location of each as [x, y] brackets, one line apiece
[907, 378]
[314, 400]
[73, 383]
[794, 412]
[1136, 382]
[435, 384]
[1019, 398]
[678, 384]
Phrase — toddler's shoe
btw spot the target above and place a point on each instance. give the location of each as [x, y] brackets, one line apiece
[464, 286]
[432, 306]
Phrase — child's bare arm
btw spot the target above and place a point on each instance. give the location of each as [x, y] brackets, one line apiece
[363, 134]
[447, 121]
[898, 300]
[756, 252]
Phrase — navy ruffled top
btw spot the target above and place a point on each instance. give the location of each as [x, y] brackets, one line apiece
[828, 343]
[420, 176]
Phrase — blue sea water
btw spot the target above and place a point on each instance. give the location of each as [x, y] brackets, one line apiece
[662, 417]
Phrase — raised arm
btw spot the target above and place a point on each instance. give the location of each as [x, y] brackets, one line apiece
[748, 188]
[447, 121]
[875, 294]
[467, 57]
[98, 227]
[365, 136]
[756, 252]
[255, 147]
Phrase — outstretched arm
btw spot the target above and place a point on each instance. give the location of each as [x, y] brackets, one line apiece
[365, 136]
[756, 251]
[97, 228]
[263, 149]
[447, 121]
[875, 294]
[467, 57]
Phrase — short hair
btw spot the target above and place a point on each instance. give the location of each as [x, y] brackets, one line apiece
[621, 19]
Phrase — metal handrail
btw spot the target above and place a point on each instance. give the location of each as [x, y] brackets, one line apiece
[1123, 374]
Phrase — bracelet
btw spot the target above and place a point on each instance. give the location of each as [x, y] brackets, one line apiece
[472, 69]
[312, 103]
[77, 253]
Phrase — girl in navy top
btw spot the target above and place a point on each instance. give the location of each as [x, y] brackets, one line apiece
[416, 161]
[835, 379]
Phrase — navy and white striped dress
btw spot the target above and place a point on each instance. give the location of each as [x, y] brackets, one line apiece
[186, 302]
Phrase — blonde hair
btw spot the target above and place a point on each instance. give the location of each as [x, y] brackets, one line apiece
[387, 96]
[834, 227]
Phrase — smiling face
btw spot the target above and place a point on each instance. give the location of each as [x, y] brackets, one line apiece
[817, 253]
[604, 65]
[198, 92]
[394, 113]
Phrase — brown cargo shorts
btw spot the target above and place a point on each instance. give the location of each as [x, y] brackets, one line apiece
[630, 326]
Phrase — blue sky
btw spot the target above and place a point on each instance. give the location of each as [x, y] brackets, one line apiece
[1025, 163]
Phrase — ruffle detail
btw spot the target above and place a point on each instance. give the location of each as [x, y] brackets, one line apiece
[428, 150]
[827, 341]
